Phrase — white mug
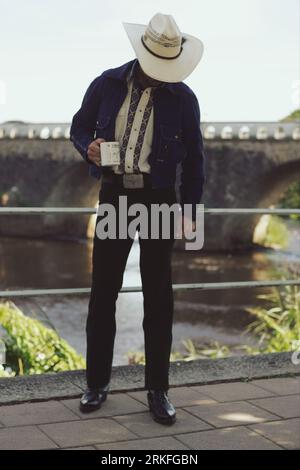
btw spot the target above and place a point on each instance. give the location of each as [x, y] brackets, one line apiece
[110, 153]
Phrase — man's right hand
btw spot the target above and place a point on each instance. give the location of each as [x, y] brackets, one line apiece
[93, 153]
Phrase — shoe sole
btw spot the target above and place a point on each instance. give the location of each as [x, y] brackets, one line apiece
[167, 421]
[90, 408]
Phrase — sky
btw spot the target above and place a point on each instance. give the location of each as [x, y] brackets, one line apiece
[50, 51]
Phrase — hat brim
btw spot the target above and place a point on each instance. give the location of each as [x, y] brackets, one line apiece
[165, 70]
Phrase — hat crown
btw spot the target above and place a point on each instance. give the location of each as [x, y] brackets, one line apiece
[162, 37]
[164, 52]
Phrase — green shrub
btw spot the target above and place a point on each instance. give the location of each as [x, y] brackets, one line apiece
[291, 199]
[277, 233]
[6, 372]
[278, 325]
[32, 348]
[293, 116]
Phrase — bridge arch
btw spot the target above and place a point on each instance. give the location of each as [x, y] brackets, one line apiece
[241, 173]
[237, 231]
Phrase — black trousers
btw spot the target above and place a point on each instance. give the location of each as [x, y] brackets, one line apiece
[109, 262]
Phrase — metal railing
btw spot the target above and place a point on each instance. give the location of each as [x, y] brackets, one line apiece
[131, 289]
[93, 210]
[260, 131]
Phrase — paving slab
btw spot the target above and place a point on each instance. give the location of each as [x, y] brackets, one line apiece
[82, 433]
[230, 414]
[285, 433]
[285, 407]
[232, 391]
[143, 425]
[239, 438]
[280, 386]
[154, 443]
[80, 448]
[35, 413]
[24, 438]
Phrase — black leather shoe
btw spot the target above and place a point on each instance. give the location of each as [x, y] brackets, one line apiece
[92, 399]
[160, 406]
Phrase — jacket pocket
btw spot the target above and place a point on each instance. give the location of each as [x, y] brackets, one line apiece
[170, 132]
[103, 126]
[171, 148]
[103, 121]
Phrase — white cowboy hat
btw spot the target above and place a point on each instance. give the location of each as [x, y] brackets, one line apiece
[164, 53]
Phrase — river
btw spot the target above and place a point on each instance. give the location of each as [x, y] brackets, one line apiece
[203, 316]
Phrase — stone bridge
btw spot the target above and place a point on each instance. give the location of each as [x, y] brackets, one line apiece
[248, 165]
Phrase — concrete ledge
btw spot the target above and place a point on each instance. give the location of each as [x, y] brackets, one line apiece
[124, 378]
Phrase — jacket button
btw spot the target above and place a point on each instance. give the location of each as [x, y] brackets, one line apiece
[176, 136]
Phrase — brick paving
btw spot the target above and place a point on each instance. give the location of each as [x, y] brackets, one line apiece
[261, 414]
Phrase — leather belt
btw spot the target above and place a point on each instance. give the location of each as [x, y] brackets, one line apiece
[128, 180]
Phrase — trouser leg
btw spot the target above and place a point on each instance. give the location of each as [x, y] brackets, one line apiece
[109, 262]
[156, 275]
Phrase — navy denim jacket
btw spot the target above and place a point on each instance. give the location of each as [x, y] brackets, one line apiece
[177, 136]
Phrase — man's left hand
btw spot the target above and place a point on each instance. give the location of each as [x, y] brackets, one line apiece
[186, 226]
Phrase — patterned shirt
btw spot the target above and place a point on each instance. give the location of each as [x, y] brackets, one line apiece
[134, 127]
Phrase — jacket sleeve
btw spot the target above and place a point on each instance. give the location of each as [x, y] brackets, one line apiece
[193, 174]
[83, 126]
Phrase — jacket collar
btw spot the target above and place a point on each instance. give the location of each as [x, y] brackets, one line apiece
[125, 71]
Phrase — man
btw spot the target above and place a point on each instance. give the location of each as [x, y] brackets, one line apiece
[145, 106]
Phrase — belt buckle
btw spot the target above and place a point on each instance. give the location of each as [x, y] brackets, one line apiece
[133, 180]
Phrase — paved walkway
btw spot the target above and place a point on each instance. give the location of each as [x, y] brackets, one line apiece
[262, 414]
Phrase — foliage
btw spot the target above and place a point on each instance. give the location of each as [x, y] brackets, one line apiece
[32, 348]
[6, 372]
[276, 327]
[294, 116]
[276, 234]
[213, 351]
[291, 199]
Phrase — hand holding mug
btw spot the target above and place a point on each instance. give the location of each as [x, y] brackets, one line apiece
[94, 153]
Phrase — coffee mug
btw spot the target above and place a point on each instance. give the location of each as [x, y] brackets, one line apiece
[110, 153]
